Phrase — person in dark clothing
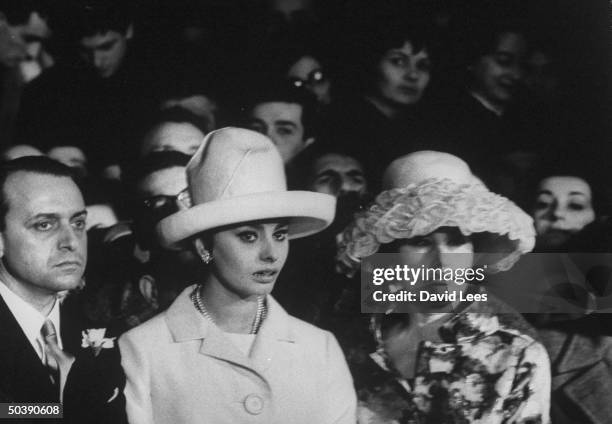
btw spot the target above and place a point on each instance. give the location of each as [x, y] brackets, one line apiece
[97, 102]
[383, 121]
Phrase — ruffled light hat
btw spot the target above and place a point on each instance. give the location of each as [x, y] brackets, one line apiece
[237, 176]
[427, 190]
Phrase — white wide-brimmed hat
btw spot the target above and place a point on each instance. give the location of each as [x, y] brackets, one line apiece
[428, 190]
[238, 176]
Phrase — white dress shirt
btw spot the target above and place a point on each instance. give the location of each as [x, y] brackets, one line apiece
[30, 320]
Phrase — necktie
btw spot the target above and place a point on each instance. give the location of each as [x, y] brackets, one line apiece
[58, 361]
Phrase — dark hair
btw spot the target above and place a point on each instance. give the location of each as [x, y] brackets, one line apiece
[599, 198]
[100, 16]
[33, 164]
[153, 162]
[369, 44]
[287, 93]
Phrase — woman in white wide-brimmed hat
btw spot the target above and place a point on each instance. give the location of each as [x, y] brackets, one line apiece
[453, 360]
[225, 351]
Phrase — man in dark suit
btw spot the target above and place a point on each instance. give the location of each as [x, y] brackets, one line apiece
[43, 251]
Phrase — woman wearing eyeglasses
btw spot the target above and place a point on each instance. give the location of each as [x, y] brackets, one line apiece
[225, 351]
[307, 70]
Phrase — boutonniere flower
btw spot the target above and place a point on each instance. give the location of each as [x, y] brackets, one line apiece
[94, 338]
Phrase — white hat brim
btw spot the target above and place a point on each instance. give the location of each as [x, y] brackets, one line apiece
[309, 212]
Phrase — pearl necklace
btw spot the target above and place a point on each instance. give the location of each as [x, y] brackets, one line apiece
[260, 315]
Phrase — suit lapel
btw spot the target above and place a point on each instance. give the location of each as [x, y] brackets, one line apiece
[22, 374]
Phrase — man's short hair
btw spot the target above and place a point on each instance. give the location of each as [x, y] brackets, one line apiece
[288, 93]
[101, 16]
[33, 164]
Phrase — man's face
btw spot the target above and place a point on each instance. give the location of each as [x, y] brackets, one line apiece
[498, 75]
[337, 174]
[29, 38]
[157, 199]
[44, 242]
[105, 52]
[282, 122]
[176, 136]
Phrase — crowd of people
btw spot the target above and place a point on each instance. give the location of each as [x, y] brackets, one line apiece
[158, 157]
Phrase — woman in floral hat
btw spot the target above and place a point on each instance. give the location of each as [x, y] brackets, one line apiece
[448, 361]
[225, 351]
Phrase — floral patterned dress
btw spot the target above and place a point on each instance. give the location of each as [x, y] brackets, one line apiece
[482, 371]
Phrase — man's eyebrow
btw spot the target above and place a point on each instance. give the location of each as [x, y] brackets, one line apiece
[355, 173]
[50, 215]
[53, 215]
[287, 123]
[545, 192]
[79, 214]
[326, 173]
[580, 193]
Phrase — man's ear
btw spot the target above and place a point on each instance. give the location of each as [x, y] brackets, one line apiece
[148, 290]
[129, 33]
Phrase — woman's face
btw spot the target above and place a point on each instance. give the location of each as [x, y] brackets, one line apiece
[247, 259]
[403, 75]
[445, 248]
[307, 72]
[498, 74]
[563, 207]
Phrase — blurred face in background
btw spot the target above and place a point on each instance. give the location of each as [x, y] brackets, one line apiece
[308, 72]
[563, 206]
[198, 104]
[71, 156]
[403, 74]
[282, 123]
[337, 174]
[105, 52]
[27, 46]
[498, 74]
[156, 200]
[177, 136]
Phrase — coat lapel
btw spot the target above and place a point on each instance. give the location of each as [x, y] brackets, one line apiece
[584, 357]
[186, 323]
[22, 374]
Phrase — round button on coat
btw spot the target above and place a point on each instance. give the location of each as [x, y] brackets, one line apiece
[254, 404]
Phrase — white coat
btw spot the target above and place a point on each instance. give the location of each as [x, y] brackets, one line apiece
[182, 369]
